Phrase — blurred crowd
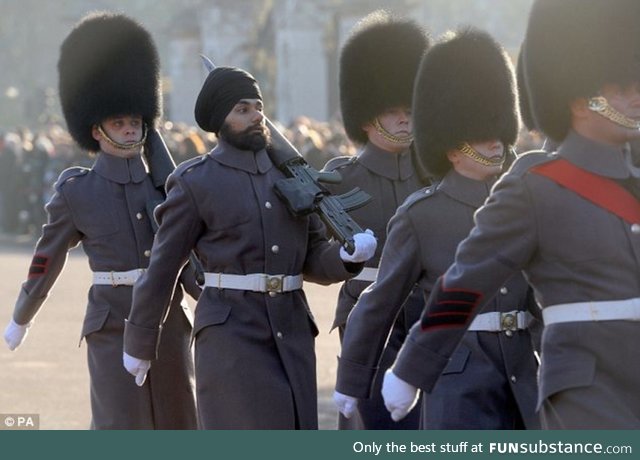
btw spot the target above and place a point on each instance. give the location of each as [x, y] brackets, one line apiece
[30, 162]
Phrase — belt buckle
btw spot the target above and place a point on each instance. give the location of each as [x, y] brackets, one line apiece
[509, 322]
[274, 283]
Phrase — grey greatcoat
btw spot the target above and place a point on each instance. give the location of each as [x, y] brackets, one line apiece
[104, 208]
[389, 178]
[571, 250]
[255, 358]
[490, 382]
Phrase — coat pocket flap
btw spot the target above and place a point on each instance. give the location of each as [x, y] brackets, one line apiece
[458, 361]
[560, 375]
[212, 316]
[94, 321]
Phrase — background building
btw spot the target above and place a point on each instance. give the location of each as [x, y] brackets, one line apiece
[291, 46]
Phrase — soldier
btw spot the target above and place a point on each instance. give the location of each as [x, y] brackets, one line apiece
[254, 332]
[109, 100]
[378, 65]
[569, 219]
[490, 382]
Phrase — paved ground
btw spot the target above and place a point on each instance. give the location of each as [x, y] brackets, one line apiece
[48, 375]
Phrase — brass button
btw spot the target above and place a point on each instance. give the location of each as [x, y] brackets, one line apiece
[268, 205]
[275, 249]
[635, 228]
[139, 216]
[504, 290]
[147, 253]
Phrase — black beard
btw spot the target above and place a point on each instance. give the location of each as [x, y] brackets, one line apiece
[247, 139]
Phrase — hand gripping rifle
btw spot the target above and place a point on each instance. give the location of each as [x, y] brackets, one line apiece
[302, 191]
[161, 164]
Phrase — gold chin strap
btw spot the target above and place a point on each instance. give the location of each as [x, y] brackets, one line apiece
[601, 106]
[390, 137]
[120, 146]
[476, 156]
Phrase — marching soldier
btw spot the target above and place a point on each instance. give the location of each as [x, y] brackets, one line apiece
[569, 219]
[466, 122]
[378, 65]
[254, 332]
[110, 94]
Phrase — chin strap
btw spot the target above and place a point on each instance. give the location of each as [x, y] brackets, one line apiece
[120, 146]
[390, 137]
[476, 156]
[601, 106]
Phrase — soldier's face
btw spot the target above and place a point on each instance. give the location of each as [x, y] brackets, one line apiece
[626, 100]
[471, 168]
[244, 127]
[395, 121]
[122, 129]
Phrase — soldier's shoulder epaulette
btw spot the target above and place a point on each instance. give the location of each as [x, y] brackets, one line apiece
[417, 196]
[189, 165]
[70, 174]
[339, 162]
[529, 160]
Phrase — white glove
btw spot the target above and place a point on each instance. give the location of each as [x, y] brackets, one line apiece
[136, 367]
[399, 396]
[15, 333]
[365, 248]
[346, 404]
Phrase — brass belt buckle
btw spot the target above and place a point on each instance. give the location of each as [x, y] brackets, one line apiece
[274, 283]
[508, 323]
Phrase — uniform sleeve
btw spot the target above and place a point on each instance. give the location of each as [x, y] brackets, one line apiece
[373, 316]
[59, 235]
[501, 243]
[179, 228]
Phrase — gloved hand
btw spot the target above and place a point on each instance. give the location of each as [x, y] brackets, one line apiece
[399, 396]
[346, 404]
[136, 367]
[14, 334]
[365, 244]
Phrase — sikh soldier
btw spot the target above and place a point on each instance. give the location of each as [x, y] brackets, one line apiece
[378, 65]
[490, 381]
[254, 332]
[109, 99]
[570, 220]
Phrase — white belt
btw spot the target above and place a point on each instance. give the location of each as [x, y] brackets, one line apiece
[367, 274]
[608, 310]
[127, 278]
[258, 282]
[496, 321]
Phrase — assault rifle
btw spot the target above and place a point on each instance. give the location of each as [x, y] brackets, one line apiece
[161, 164]
[302, 191]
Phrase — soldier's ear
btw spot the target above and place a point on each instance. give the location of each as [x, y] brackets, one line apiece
[580, 108]
[95, 133]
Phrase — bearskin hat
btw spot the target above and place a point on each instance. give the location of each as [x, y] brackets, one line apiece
[465, 92]
[523, 95]
[378, 65]
[572, 48]
[108, 66]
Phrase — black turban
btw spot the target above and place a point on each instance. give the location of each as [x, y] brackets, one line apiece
[221, 91]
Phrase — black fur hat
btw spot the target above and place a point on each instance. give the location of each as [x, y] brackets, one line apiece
[465, 92]
[572, 48]
[523, 95]
[108, 66]
[378, 65]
